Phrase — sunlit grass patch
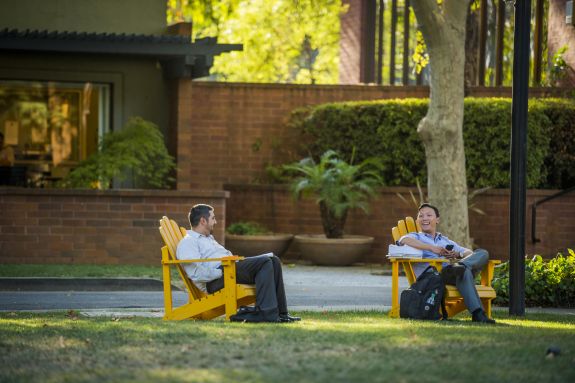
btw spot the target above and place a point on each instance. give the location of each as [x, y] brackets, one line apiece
[324, 347]
[78, 271]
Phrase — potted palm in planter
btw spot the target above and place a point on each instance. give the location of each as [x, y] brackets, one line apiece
[249, 239]
[338, 186]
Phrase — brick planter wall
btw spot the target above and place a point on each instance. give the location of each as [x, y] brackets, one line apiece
[99, 227]
[274, 206]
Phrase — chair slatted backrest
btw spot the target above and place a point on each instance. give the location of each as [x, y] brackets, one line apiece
[172, 235]
[409, 225]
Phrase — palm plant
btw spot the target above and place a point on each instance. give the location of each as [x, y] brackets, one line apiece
[337, 185]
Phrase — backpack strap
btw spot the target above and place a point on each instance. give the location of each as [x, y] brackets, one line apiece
[427, 269]
[444, 315]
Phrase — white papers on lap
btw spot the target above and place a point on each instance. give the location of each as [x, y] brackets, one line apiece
[404, 251]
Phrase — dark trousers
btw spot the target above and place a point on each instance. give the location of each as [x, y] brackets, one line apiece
[266, 273]
[466, 283]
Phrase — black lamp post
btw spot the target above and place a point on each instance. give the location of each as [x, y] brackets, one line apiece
[519, 156]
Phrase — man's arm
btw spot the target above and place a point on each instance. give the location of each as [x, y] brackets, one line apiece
[198, 272]
[422, 246]
[462, 252]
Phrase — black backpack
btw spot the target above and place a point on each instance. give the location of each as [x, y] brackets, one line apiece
[425, 297]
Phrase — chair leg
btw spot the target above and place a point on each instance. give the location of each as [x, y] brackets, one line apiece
[167, 285]
[487, 306]
[394, 313]
[230, 288]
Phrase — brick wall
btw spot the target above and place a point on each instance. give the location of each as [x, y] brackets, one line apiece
[560, 34]
[100, 227]
[228, 132]
[350, 43]
[274, 206]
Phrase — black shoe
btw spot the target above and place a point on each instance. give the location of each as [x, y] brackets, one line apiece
[450, 273]
[480, 317]
[247, 309]
[288, 318]
[255, 315]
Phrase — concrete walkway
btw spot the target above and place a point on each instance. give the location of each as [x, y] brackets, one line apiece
[308, 288]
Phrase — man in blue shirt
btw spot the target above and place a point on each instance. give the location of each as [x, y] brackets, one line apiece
[461, 273]
[264, 271]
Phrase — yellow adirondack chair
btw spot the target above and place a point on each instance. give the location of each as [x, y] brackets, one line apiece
[200, 305]
[453, 300]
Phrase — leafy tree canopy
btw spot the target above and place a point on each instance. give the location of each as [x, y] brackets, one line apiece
[284, 40]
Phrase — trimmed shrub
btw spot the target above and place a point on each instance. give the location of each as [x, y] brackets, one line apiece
[548, 283]
[387, 129]
[487, 136]
[246, 228]
[561, 154]
[136, 152]
[383, 129]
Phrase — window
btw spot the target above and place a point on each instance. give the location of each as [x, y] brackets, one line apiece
[52, 126]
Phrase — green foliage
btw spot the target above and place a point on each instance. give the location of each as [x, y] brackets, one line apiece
[382, 129]
[547, 283]
[560, 158]
[80, 271]
[137, 151]
[486, 133]
[558, 68]
[420, 56]
[284, 40]
[246, 228]
[387, 130]
[337, 185]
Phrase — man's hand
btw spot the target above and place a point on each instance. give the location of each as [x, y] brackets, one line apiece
[450, 254]
[438, 250]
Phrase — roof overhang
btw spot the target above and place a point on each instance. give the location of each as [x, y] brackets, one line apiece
[180, 57]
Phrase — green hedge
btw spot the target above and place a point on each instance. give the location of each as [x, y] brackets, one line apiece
[388, 129]
[548, 283]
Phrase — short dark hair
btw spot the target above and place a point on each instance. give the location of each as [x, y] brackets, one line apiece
[197, 212]
[1, 134]
[436, 210]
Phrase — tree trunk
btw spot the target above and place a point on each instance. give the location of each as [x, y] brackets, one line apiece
[441, 130]
[332, 225]
[471, 48]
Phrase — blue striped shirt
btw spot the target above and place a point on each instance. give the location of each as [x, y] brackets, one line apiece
[439, 240]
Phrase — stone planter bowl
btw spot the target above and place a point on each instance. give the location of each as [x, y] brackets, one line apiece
[251, 245]
[333, 252]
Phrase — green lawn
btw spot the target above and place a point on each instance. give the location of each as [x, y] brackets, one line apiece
[81, 271]
[110, 271]
[324, 347]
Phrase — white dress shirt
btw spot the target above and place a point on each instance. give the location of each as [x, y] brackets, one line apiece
[198, 246]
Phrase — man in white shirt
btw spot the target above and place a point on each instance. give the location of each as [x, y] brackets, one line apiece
[264, 271]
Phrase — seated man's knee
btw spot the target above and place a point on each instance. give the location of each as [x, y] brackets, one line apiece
[275, 259]
[482, 253]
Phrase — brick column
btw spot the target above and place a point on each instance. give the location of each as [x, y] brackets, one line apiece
[183, 120]
[357, 42]
[560, 34]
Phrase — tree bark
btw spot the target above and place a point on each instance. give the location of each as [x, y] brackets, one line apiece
[471, 48]
[441, 130]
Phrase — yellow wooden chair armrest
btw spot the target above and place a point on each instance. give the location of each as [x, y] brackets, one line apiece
[488, 272]
[223, 259]
[419, 260]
